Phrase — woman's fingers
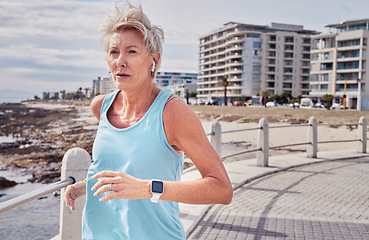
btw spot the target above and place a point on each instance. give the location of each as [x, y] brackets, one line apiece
[104, 188]
[110, 196]
[120, 185]
[104, 182]
[107, 174]
[68, 197]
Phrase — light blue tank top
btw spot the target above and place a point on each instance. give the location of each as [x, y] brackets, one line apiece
[143, 151]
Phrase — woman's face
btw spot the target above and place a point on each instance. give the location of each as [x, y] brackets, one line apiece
[129, 62]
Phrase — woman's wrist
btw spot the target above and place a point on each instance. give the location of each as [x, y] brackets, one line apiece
[146, 192]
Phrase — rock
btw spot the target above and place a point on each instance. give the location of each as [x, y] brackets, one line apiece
[5, 183]
[45, 176]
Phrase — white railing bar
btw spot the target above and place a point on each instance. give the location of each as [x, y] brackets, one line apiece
[338, 124]
[289, 145]
[28, 197]
[336, 141]
[241, 130]
[290, 125]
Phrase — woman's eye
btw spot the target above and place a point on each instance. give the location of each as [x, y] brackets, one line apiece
[132, 51]
[113, 52]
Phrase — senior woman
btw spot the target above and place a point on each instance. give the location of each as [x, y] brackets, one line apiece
[133, 185]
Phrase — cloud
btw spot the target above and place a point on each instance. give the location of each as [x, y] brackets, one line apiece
[61, 19]
[50, 44]
[85, 58]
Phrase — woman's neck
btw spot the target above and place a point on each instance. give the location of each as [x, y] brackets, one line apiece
[130, 108]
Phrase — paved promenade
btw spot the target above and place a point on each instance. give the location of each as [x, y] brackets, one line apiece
[325, 200]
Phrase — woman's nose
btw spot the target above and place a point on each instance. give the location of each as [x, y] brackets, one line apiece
[121, 61]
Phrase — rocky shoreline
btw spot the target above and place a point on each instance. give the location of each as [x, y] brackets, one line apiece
[37, 135]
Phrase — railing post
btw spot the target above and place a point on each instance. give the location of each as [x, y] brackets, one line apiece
[263, 143]
[216, 137]
[312, 148]
[362, 131]
[76, 162]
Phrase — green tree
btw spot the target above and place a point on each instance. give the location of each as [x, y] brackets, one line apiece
[285, 96]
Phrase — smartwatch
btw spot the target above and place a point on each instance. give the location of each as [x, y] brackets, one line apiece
[157, 189]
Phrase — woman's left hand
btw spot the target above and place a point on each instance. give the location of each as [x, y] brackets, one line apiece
[120, 185]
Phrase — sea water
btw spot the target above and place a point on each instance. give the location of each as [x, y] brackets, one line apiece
[38, 219]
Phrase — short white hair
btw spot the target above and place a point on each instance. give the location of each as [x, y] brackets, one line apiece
[127, 17]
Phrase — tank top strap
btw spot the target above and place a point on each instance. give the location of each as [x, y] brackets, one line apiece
[108, 100]
[161, 100]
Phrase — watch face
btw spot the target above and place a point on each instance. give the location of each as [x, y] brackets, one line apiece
[157, 187]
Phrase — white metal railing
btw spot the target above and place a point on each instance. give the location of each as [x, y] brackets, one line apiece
[76, 162]
[262, 148]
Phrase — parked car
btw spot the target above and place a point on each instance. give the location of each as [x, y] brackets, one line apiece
[319, 105]
[336, 106]
[270, 104]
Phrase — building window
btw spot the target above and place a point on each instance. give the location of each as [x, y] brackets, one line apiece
[288, 47]
[326, 66]
[288, 55]
[257, 45]
[288, 39]
[348, 43]
[305, 86]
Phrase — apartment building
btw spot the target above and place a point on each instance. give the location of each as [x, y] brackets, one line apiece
[339, 64]
[103, 85]
[170, 78]
[254, 58]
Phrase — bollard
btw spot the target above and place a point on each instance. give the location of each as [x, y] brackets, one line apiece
[362, 132]
[216, 137]
[76, 162]
[263, 143]
[312, 148]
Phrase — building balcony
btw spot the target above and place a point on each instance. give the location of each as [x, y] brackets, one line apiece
[234, 41]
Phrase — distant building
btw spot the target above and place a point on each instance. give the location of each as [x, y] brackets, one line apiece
[103, 85]
[254, 58]
[170, 78]
[50, 95]
[339, 64]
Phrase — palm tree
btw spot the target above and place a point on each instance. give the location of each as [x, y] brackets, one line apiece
[265, 95]
[328, 99]
[225, 83]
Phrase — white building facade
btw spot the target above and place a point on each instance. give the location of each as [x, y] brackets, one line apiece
[170, 78]
[254, 58]
[339, 64]
[103, 85]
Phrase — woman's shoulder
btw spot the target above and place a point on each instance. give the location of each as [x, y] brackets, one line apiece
[177, 111]
[96, 105]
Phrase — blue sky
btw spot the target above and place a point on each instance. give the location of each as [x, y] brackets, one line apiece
[51, 45]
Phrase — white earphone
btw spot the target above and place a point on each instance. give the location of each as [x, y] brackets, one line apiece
[153, 66]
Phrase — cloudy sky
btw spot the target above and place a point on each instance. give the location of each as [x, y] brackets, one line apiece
[51, 45]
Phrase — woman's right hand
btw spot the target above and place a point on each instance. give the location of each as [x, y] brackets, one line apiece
[73, 192]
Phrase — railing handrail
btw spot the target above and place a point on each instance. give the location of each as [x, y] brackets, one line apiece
[30, 196]
[212, 134]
